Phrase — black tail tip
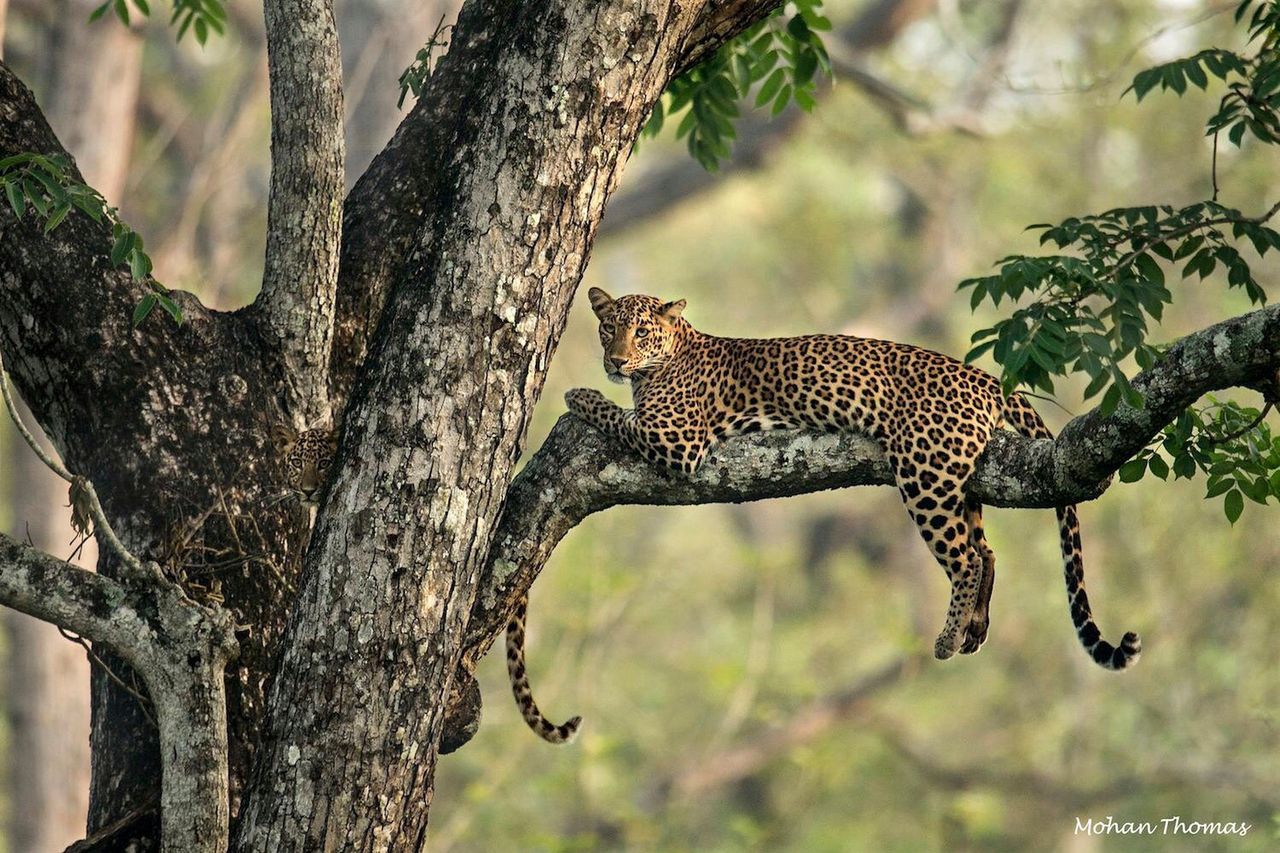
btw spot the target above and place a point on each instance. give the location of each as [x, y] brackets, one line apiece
[1121, 657]
[569, 730]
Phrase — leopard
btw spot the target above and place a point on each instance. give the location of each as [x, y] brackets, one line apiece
[931, 414]
[307, 456]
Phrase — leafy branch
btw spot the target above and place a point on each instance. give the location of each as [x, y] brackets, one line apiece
[46, 186]
[1091, 304]
[201, 16]
[783, 59]
[414, 79]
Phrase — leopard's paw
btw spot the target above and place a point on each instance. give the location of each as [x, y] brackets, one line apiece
[945, 646]
[584, 401]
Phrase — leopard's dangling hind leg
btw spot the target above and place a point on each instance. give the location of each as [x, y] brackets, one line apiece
[543, 727]
[975, 633]
[940, 518]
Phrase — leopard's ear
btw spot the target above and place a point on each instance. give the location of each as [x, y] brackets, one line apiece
[601, 302]
[671, 310]
[283, 436]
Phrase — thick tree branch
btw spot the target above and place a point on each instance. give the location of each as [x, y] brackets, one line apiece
[578, 471]
[178, 647]
[720, 21]
[304, 213]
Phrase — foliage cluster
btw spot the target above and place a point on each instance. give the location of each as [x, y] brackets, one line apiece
[781, 54]
[202, 17]
[1091, 304]
[45, 184]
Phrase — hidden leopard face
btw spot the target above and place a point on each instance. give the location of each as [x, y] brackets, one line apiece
[308, 455]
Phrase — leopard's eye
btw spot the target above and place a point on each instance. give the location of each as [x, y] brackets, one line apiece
[322, 464]
[642, 332]
[295, 462]
[607, 328]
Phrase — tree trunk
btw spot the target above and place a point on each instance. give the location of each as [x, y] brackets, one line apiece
[437, 422]
[92, 80]
[181, 457]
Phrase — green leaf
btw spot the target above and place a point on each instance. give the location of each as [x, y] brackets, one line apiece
[1132, 471]
[780, 103]
[1184, 466]
[806, 66]
[1216, 488]
[16, 201]
[1110, 401]
[59, 213]
[798, 29]
[170, 307]
[139, 264]
[1196, 74]
[771, 87]
[1258, 490]
[122, 246]
[1158, 466]
[122, 12]
[1149, 268]
[144, 308]
[1233, 505]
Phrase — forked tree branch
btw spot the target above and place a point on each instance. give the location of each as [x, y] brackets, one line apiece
[578, 471]
[304, 213]
[178, 647]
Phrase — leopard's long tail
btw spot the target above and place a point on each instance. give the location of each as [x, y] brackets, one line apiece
[543, 727]
[1019, 415]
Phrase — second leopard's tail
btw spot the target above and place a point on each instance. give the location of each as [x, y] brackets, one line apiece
[543, 727]
[1019, 415]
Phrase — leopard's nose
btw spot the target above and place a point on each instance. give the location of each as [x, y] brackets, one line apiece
[617, 362]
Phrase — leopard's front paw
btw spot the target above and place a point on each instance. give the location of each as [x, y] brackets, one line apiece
[584, 402]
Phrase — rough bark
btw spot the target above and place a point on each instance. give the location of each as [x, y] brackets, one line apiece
[542, 103]
[92, 79]
[179, 647]
[181, 457]
[305, 208]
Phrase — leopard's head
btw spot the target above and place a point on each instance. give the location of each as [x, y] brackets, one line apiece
[307, 455]
[638, 333]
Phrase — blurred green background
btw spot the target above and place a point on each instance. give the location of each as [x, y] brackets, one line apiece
[758, 677]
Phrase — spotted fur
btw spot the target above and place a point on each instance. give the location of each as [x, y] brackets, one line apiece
[933, 415]
[307, 455]
[543, 727]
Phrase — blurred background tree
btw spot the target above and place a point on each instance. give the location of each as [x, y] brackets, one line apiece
[752, 677]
